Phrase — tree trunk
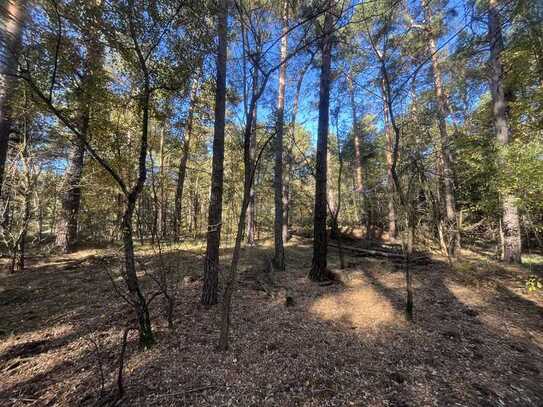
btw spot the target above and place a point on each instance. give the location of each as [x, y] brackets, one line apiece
[71, 201]
[138, 300]
[281, 197]
[286, 182]
[182, 171]
[211, 267]
[66, 235]
[511, 240]
[445, 154]
[14, 17]
[251, 209]
[359, 168]
[358, 165]
[392, 219]
[319, 270]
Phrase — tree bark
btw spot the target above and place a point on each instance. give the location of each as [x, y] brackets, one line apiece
[251, 209]
[281, 197]
[71, 201]
[359, 167]
[511, 239]
[211, 267]
[445, 155]
[13, 21]
[392, 218]
[319, 270]
[182, 171]
[66, 236]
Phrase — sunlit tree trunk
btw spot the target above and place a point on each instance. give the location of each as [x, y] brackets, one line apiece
[319, 270]
[211, 268]
[511, 239]
[446, 157]
[14, 15]
[392, 218]
[280, 195]
[359, 168]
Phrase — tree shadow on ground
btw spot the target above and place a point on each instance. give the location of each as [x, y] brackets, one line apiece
[338, 344]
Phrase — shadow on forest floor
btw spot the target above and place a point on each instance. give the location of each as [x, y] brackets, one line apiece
[477, 338]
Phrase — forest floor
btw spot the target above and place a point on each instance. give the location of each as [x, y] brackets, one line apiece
[477, 339]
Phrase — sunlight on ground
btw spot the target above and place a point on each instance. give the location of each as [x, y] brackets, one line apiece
[363, 307]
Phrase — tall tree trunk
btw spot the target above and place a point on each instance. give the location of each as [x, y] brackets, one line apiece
[138, 300]
[280, 197]
[251, 209]
[211, 267]
[358, 164]
[289, 159]
[182, 171]
[511, 239]
[359, 167]
[12, 26]
[66, 235]
[445, 154]
[392, 218]
[319, 270]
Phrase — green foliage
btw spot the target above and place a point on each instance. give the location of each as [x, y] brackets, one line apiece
[522, 172]
[534, 283]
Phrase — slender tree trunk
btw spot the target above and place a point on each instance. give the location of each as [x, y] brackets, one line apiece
[281, 199]
[359, 168]
[286, 183]
[14, 15]
[251, 209]
[160, 202]
[358, 164]
[138, 300]
[392, 218]
[211, 268]
[319, 270]
[445, 154]
[511, 239]
[182, 171]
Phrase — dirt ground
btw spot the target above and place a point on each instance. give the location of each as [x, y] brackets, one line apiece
[477, 339]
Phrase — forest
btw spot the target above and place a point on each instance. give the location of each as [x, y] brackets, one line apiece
[271, 203]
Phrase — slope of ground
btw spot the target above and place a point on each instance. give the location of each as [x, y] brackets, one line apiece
[477, 339]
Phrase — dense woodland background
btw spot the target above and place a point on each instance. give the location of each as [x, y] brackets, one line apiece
[206, 166]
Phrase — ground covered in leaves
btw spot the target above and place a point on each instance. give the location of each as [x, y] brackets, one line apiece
[477, 339]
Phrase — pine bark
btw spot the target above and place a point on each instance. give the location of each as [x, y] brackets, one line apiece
[66, 235]
[211, 267]
[319, 270]
[511, 238]
[281, 200]
[12, 28]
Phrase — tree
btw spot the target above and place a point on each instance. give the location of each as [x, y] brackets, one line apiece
[319, 270]
[12, 28]
[211, 268]
[182, 170]
[66, 235]
[510, 224]
[279, 257]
